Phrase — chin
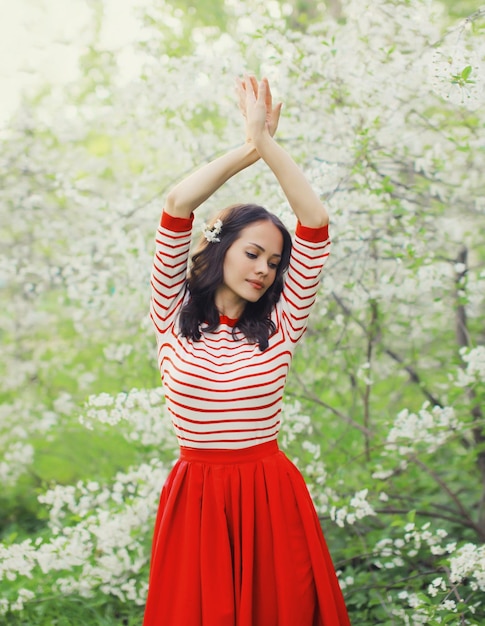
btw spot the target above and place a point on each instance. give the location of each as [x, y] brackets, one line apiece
[253, 295]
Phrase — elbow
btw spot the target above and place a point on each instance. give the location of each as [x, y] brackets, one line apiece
[324, 220]
[316, 219]
[171, 202]
[174, 205]
[323, 217]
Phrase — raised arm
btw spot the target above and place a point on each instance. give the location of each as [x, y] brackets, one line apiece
[303, 200]
[191, 192]
[197, 187]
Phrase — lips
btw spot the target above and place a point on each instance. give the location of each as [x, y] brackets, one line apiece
[256, 284]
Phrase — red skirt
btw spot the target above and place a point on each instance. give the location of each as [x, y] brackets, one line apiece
[237, 542]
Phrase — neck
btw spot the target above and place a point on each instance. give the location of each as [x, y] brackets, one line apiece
[231, 313]
[229, 307]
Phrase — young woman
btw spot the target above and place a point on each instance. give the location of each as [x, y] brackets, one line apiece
[237, 540]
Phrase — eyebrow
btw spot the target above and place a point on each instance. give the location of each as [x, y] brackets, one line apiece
[256, 245]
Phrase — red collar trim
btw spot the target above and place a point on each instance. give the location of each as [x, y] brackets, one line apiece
[229, 321]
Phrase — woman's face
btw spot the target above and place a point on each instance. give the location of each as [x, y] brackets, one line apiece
[249, 267]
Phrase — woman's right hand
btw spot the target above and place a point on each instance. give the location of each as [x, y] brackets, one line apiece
[249, 87]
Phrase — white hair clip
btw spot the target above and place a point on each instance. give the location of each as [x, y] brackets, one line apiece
[211, 232]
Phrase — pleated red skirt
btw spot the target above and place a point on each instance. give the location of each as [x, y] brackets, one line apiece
[237, 542]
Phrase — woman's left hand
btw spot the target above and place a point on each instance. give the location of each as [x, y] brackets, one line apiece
[256, 105]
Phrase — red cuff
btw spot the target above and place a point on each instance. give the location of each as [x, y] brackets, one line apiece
[315, 235]
[177, 224]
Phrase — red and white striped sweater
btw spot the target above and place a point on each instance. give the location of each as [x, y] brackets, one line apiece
[220, 392]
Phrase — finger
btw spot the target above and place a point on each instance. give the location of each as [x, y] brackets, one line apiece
[274, 119]
[239, 84]
[263, 91]
[242, 104]
[241, 94]
[277, 112]
[253, 83]
[250, 92]
[269, 96]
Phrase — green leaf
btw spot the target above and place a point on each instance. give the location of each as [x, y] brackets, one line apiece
[466, 72]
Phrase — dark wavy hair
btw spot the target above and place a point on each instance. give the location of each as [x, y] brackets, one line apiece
[206, 275]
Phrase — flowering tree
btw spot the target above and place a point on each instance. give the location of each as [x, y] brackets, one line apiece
[383, 410]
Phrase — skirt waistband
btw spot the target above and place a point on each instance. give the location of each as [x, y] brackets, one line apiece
[227, 456]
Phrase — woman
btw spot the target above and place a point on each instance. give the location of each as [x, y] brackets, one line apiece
[237, 541]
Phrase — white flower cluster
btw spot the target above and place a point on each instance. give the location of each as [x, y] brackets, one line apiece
[465, 565]
[426, 611]
[458, 71]
[16, 459]
[420, 613]
[393, 552]
[23, 595]
[19, 422]
[432, 427]
[142, 411]
[294, 423]
[98, 540]
[426, 537]
[468, 562]
[346, 581]
[437, 584]
[358, 508]
[474, 372]
[211, 233]
[295, 426]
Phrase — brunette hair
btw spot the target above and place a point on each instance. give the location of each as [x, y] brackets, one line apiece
[206, 275]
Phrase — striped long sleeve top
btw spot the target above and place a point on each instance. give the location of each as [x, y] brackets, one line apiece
[223, 392]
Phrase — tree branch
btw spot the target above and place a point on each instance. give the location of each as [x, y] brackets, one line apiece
[413, 375]
[309, 395]
[463, 512]
[462, 338]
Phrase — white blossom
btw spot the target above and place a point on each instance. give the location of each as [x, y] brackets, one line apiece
[432, 427]
[474, 371]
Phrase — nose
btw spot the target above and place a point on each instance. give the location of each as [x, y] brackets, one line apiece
[262, 268]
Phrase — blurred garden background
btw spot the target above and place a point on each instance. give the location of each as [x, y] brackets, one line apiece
[104, 105]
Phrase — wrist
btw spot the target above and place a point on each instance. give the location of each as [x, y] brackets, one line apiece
[262, 140]
[250, 152]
